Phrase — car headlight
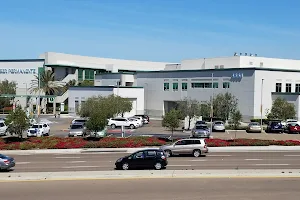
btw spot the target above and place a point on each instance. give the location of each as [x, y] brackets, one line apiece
[120, 159]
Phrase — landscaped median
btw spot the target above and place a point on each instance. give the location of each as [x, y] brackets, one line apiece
[132, 142]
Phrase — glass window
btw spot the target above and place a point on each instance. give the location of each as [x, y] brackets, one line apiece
[151, 153]
[216, 85]
[226, 85]
[139, 154]
[197, 85]
[184, 86]
[297, 88]
[278, 87]
[207, 85]
[89, 74]
[175, 86]
[288, 87]
[197, 142]
[181, 142]
[80, 74]
[166, 86]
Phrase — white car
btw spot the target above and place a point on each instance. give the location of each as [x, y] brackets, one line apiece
[3, 128]
[119, 121]
[140, 119]
[38, 130]
[140, 123]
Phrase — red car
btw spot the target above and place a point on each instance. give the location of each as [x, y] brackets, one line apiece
[293, 128]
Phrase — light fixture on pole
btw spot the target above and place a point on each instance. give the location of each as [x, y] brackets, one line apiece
[261, 103]
[212, 102]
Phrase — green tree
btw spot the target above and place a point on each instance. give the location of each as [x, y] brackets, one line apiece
[236, 118]
[7, 87]
[224, 105]
[47, 83]
[205, 109]
[17, 122]
[96, 122]
[281, 109]
[119, 105]
[171, 120]
[189, 108]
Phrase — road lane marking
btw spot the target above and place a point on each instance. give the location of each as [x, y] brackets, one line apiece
[67, 157]
[22, 163]
[179, 165]
[79, 161]
[271, 164]
[292, 155]
[219, 155]
[70, 167]
[253, 159]
[197, 160]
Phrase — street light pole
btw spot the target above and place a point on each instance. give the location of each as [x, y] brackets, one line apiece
[212, 102]
[261, 103]
[39, 97]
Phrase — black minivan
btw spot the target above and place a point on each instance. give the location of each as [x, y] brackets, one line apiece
[144, 159]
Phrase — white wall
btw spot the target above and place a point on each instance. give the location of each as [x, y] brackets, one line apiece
[269, 86]
[210, 63]
[276, 63]
[100, 63]
[133, 93]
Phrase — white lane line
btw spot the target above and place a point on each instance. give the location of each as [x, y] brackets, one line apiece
[179, 165]
[23, 154]
[22, 163]
[67, 157]
[253, 159]
[197, 160]
[271, 164]
[70, 167]
[219, 155]
[292, 155]
[79, 161]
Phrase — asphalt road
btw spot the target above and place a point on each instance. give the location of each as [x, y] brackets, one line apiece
[159, 189]
[105, 161]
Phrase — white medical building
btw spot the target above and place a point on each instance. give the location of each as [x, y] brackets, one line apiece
[153, 87]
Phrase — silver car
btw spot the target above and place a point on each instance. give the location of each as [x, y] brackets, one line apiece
[218, 126]
[6, 162]
[195, 147]
[201, 131]
[77, 129]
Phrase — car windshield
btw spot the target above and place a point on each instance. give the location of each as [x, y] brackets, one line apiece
[2, 124]
[275, 123]
[37, 126]
[219, 123]
[2, 156]
[254, 124]
[80, 120]
[294, 124]
[201, 127]
[77, 126]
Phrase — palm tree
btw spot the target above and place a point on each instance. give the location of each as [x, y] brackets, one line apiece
[69, 84]
[48, 85]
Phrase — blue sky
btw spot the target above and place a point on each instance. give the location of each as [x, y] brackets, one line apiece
[156, 30]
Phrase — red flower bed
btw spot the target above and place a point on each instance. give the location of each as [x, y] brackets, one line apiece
[132, 142]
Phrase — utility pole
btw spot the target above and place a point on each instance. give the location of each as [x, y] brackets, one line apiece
[212, 102]
[39, 97]
[261, 104]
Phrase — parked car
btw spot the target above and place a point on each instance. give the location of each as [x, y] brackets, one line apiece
[292, 128]
[148, 158]
[77, 129]
[137, 120]
[3, 128]
[82, 121]
[99, 134]
[201, 131]
[6, 162]
[253, 127]
[145, 118]
[200, 122]
[195, 147]
[274, 126]
[38, 130]
[218, 126]
[119, 121]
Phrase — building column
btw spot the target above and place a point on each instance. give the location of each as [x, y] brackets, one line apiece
[54, 106]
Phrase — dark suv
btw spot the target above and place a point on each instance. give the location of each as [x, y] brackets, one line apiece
[274, 126]
[145, 159]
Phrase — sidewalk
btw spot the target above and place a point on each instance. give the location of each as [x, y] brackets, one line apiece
[132, 150]
[148, 174]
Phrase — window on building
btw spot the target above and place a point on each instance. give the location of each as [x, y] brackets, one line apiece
[80, 74]
[226, 84]
[166, 86]
[216, 85]
[89, 74]
[288, 87]
[204, 85]
[175, 86]
[197, 85]
[297, 87]
[278, 87]
[184, 86]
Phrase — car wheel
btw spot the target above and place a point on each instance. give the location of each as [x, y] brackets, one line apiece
[158, 166]
[131, 126]
[113, 126]
[168, 153]
[197, 153]
[125, 166]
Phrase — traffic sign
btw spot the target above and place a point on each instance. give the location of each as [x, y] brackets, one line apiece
[51, 100]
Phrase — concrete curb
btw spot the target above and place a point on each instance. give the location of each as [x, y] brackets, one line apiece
[148, 174]
[131, 150]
